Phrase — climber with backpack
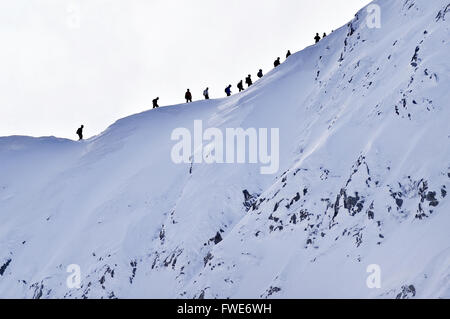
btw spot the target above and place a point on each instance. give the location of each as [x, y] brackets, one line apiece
[228, 90]
[188, 96]
[206, 93]
[248, 80]
[80, 132]
[288, 54]
[240, 86]
[317, 38]
[260, 73]
[277, 62]
[155, 103]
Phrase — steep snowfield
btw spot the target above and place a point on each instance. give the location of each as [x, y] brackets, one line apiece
[364, 179]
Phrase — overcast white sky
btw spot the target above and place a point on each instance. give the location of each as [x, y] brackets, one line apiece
[64, 63]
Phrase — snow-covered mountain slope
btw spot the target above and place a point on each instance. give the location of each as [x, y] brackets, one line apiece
[364, 179]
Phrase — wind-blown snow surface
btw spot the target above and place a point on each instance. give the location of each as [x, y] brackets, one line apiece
[364, 179]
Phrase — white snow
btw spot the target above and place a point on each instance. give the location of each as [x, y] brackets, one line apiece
[364, 141]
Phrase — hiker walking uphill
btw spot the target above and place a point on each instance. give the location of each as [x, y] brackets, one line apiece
[80, 132]
[324, 35]
[206, 93]
[240, 86]
[277, 62]
[228, 90]
[249, 81]
[155, 103]
[260, 73]
[188, 96]
[288, 54]
[317, 38]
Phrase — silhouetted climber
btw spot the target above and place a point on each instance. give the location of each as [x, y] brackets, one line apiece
[228, 90]
[288, 54]
[324, 35]
[188, 96]
[277, 62]
[155, 103]
[80, 132]
[240, 86]
[248, 80]
[317, 38]
[206, 93]
[260, 73]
